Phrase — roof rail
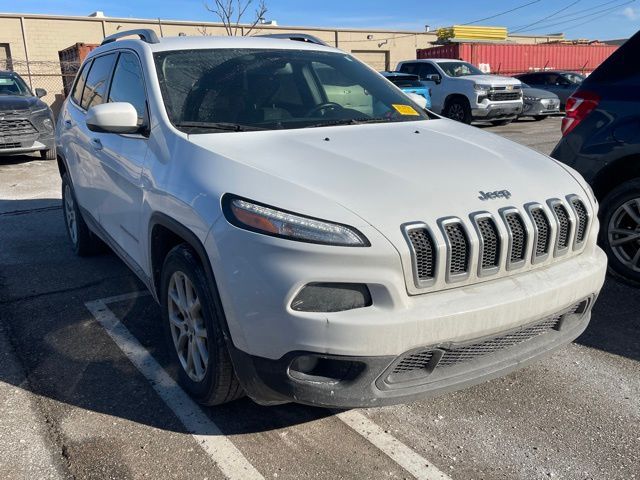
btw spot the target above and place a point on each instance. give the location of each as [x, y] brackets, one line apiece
[298, 37]
[146, 35]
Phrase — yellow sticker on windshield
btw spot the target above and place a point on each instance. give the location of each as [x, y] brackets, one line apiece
[406, 110]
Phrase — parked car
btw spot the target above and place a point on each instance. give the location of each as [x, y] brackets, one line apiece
[26, 122]
[538, 104]
[601, 140]
[461, 92]
[561, 83]
[410, 84]
[295, 254]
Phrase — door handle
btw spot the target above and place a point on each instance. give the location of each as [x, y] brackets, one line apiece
[96, 144]
[68, 124]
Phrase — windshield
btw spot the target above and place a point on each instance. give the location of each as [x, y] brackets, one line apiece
[459, 69]
[11, 84]
[241, 89]
[574, 78]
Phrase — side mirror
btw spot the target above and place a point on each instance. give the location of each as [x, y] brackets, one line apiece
[433, 77]
[40, 92]
[417, 99]
[117, 117]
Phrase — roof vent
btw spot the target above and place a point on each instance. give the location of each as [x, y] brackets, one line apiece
[97, 14]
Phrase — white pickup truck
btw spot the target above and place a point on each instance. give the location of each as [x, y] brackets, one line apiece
[462, 92]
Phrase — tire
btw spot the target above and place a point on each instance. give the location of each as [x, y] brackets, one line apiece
[499, 123]
[83, 241]
[209, 379]
[458, 110]
[620, 211]
[48, 154]
[539, 118]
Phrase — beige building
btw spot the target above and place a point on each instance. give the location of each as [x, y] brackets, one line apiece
[30, 43]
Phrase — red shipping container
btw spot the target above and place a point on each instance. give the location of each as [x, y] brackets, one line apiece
[70, 60]
[512, 59]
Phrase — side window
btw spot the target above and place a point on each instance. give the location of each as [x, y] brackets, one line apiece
[128, 84]
[76, 94]
[530, 79]
[409, 68]
[95, 88]
[427, 69]
[549, 79]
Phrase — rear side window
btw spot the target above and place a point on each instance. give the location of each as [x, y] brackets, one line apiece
[622, 67]
[128, 84]
[97, 82]
[79, 86]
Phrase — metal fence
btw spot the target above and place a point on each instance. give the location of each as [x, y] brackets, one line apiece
[55, 77]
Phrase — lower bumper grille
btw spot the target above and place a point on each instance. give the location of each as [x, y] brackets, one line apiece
[426, 361]
[10, 145]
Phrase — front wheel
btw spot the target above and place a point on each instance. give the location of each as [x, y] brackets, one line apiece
[193, 329]
[48, 154]
[620, 233]
[499, 123]
[458, 110]
[538, 118]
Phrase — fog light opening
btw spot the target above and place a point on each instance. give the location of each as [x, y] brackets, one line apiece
[314, 368]
[331, 297]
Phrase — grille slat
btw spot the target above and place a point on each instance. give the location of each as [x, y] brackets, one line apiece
[486, 241]
[425, 256]
[563, 225]
[544, 231]
[583, 219]
[502, 96]
[457, 355]
[518, 236]
[16, 126]
[490, 243]
[459, 249]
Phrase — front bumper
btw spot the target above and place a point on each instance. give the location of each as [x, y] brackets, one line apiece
[535, 109]
[360, 382]
[29, 146]
[497, 111]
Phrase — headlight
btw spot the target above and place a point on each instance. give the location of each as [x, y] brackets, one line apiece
[48, 124]
[40, 110]
[479, 86]
[259, 218]
[530, 99]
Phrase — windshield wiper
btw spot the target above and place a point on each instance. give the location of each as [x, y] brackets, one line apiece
[223, 126]
[353, 121]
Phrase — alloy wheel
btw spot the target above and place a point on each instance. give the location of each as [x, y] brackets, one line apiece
[188, 329]
[624, 234]
[456, 112]
[70, 214]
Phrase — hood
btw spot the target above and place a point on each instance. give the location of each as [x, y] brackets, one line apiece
[494, 80]
[538, 93]
[390, 174]
[16, 102]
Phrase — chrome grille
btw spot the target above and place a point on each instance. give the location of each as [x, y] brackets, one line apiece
[424, 253]
[495, 241]
[544, 231]
[459, 248]
[16, 126]
[563, 225]
[583, 219]
[503, 96]
[518, 236]
[490, 243]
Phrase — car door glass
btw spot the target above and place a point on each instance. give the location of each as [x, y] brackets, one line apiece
[426, 69]
[128, 85]
[408, 68]
[76, 94]
[95, 88]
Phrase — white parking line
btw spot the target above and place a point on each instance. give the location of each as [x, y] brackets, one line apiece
[229, 459]
[404, 456]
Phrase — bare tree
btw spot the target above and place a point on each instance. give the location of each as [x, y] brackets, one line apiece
[231, 13]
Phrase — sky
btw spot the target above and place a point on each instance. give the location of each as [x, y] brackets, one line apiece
[592, 19]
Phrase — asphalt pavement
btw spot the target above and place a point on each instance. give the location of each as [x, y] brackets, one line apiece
[85, 391]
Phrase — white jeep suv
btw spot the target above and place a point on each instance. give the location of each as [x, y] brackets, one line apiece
[310, 234]
[461, 92]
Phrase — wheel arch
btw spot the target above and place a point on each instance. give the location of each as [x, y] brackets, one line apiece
[455, 96]
[619, 171]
